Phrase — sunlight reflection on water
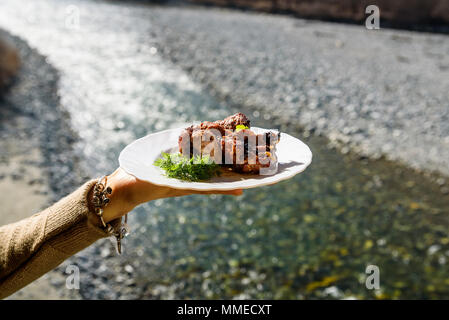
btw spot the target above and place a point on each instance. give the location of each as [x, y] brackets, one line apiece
[274, 242]
[114, 86]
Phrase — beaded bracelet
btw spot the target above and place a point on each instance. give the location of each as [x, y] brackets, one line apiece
[100, 200]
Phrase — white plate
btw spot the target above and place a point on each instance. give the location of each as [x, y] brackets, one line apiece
[138, 157]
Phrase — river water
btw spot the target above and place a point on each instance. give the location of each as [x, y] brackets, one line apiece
[309, 237]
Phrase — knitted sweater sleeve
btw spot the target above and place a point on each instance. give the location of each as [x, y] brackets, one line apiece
[33, 246]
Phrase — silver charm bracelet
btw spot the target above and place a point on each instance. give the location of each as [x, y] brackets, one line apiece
[100, 200]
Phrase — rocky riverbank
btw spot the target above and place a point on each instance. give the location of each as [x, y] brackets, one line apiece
[37, 165]
[31, 113]
[421, 15]
[381, 93]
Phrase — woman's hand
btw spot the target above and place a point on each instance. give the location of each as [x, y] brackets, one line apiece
[128, 192]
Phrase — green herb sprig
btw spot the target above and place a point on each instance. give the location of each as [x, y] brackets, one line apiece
[196, 168]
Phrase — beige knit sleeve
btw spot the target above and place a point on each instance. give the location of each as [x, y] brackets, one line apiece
[33, 246]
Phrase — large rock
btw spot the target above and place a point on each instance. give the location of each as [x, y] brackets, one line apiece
[398, 12]
[9, 63]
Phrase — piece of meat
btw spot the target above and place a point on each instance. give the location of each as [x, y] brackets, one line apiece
[232, 121]
[241, 150]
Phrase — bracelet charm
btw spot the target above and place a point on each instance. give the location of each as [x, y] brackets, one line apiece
[100, 200]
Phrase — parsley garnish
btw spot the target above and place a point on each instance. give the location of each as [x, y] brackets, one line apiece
[195, 169]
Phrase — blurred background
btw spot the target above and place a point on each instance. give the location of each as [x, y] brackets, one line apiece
[79, 80]
[414, 14]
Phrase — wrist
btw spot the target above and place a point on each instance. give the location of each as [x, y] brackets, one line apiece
[128, 192]
[120, 199]
[107, 200]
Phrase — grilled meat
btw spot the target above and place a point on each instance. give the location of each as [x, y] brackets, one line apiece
[239, 150]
